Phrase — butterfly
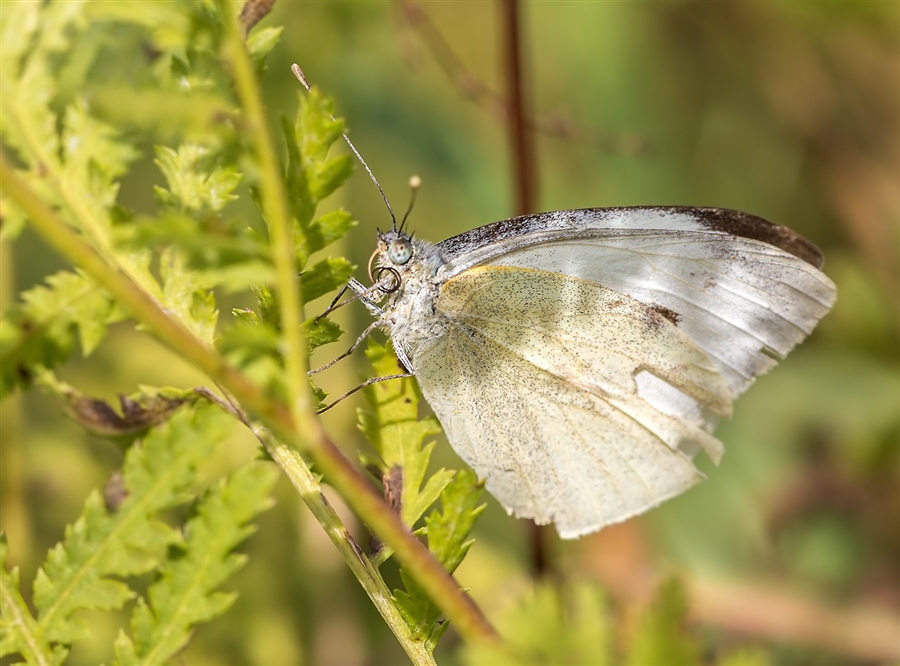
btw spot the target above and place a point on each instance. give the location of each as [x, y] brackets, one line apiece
[579, 359]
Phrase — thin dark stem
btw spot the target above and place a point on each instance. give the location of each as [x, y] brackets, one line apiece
[521, 145]
[520, 140]
[558, 124]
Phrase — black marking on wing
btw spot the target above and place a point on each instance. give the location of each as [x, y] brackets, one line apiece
[665, 312]
[737, 223]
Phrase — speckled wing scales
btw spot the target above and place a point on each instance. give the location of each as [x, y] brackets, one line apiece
[745, 290]
[579, 405]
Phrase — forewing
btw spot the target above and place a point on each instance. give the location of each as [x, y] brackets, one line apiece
[536, 381]
[745, 290]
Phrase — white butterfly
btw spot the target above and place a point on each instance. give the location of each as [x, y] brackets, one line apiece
[579, 359]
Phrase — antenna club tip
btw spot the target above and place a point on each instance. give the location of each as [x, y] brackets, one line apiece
[415, 182]
[301, 77]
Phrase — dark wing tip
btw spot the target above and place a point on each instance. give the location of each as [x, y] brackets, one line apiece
[746, 225]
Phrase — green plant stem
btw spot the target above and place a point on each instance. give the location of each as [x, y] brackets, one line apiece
[359, 494]
[278, 218]
[363, 568]
[302, 406]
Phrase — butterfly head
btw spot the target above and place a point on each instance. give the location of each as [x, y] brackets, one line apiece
[398, 258]
[389, 262]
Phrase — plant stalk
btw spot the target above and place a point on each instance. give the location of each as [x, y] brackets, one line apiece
[342, 474]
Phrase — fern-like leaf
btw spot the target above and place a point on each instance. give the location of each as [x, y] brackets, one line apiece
[660, 635]
[40, 331]
[393, 427]
[554, 624]
[311, 175]
[449, 538]
[18, 629]
[184, 595]
[157, 475]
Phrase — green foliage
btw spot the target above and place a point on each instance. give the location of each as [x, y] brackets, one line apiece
[86, 86]
[448, 534]
[554, 625]
[311, 175]
[18, 629]
[659, 637]
[398, 435]
[573, 623]
[130, 539]
[71, 151]
[196, 184]
[40, 331]
[394, 429]
[184, 594]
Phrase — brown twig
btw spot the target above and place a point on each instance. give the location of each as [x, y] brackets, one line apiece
[253, 12]
[557, 124]
[522, 153]
[521, 143]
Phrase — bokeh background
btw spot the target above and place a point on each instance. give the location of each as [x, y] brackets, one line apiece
[789, 110]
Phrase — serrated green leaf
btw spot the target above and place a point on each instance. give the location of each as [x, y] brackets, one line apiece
[320, 332]
[394, 429]
[328, 228]
[157, 475]
[196, 184]
[94, 154]
[659, 636]
[269, 309]
[297, 182]
[261, 41]
[40, 330]
[186, 297]
[18, 629]
[448, 531]
[324, 276]
[310, 175]
[246, 315]
[26, 80]
[430, 491]
[448, 534]
[184, 594]
[330, 175]
[552, 625]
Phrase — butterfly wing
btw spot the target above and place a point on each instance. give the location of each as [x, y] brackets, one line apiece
[536, 382]
[744, 290]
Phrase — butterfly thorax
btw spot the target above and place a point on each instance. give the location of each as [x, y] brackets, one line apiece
[409, 311]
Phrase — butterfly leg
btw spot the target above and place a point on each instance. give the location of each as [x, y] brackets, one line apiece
[368, 382]
[371, 327]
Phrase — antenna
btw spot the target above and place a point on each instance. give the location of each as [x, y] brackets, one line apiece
[414, 184]
[301, 77]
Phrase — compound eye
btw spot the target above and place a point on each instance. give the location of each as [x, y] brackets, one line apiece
[400, 251]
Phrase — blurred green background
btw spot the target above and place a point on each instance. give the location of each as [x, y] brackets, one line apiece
[788, 110]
